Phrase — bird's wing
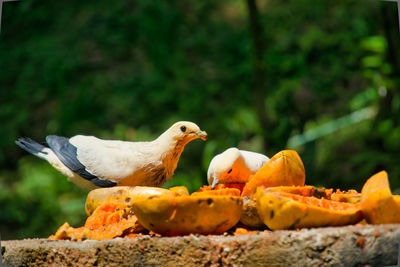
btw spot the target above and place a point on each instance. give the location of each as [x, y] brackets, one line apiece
[68, 155]
[254, 161]
[114, 160]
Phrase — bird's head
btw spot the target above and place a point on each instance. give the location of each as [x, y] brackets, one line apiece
[186, 131]
[227, 167]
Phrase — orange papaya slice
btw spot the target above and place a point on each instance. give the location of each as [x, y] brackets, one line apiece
[377, 202]
[250, 217]
[283, 169]
[219, 192]
[123, 195]
[109, 220]
[397, 199]
[351, 195]
[243, 231]
[180, 190]
[222, 186]
[201, 213]
[307, 190]
[281, 210]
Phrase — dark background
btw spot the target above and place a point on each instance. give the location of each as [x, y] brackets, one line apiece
[317, 76]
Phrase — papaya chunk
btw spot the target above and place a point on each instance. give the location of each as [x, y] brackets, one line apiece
[180, 190]
[283, 169]
[243, 231]
[124, 195]
[109, 220]
[219, 192]
[250, 217]
[351, 196]
[67, 232]
[281, 210]
[222, 186]
[397, 199]
[201, 213]
[307, 190]
[377, 202]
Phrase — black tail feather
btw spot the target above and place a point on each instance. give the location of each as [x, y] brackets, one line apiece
[31, 146]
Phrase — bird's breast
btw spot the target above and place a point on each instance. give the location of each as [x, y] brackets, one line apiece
[157, 172]
[147, 176]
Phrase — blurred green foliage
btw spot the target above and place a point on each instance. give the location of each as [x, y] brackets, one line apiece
[128, 70]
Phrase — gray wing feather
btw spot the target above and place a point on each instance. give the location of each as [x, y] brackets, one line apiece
[67, 153]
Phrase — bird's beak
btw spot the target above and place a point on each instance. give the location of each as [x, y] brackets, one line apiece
[202, 134]
[214, 183]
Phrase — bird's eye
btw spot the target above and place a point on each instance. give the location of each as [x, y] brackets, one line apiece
[230, 170]
[183, 128]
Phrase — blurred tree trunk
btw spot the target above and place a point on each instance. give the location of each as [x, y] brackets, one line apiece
[376, 141]
[390, 23]
[258, 76]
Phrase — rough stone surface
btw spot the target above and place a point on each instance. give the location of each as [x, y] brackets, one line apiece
[333, 246]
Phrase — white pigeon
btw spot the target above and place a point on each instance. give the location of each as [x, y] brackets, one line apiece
[91, 162]
[234, 166]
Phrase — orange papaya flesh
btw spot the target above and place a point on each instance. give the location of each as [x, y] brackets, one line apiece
[243, 231]
[351, 196]
[318, 202]
[283, 169]
[377, 202]
[250, 217]
[238, 186]
[67, 232]
[281, 210]
[307, 190]
[218, 192]
[109, 220]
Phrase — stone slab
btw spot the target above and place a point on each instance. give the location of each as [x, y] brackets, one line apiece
[332, 246]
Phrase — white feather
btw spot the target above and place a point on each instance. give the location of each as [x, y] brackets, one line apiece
[58, 165]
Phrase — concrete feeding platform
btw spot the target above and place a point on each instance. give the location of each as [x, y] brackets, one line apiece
[332, 246]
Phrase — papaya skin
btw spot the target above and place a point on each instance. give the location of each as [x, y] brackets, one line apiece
[284, 169]
[279, 210]
[175, 216]
[250, 217]
[377, 202]
[397, 199]
[123, 195]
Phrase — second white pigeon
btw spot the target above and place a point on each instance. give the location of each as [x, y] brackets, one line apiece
[234, 166]
[91, 162]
